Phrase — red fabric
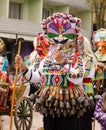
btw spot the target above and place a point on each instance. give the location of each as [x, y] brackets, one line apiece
[75, 58]
[71, 85]
[42, 46]
[87, 80]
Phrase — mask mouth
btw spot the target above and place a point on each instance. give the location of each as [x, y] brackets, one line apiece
[60, 42]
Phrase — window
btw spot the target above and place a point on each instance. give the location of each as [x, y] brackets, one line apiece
[15, 10]
[47, 12]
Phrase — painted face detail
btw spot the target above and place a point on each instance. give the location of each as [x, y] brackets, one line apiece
[62, 33]
[61, 30]
[99, 38]
[102, 47]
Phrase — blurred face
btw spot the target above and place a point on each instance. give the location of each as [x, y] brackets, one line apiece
[61, 33]
[102, 47]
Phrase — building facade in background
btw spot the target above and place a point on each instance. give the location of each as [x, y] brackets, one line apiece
[22, 19]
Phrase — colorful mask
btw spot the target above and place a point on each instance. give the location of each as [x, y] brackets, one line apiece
[62, 29]
[99, 39]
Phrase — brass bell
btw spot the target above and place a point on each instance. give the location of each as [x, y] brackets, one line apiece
[62, 105]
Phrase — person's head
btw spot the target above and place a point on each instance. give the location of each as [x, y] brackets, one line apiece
[62, 30]
[1, 62]
[99, 40]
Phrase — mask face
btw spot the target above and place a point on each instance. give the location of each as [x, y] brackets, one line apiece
[102, 47]
[62, 33]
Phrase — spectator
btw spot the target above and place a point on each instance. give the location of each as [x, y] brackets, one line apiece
[6, 63]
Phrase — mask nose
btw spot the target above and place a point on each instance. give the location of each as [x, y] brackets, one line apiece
[60, 38]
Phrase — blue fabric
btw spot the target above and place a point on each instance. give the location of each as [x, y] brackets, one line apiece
[6, 64]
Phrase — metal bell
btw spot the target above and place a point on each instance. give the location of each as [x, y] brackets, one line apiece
[80, 99]
[62, 105]
[68, 105]
[80, 113]
[84, 110]
[44, 110]
[47, 103]
[77, 107]
[51, 99]
[58, 112]
[86, 102]
[97, 97]
[37, 106]
[91, 101]
[73, 111]
[41, 100]
[65, 113]
[73, 102]
[51, 112]
[56, 104]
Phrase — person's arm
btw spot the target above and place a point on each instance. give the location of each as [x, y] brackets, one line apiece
[28, 72]
[99, 114]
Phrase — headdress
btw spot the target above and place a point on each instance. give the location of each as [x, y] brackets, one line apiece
[63, 23]
[99, 35]
[42, 46]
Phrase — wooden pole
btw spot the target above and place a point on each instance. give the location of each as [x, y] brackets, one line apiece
[13, 94]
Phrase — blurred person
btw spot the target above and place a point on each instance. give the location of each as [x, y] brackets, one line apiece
[6, 63]
[5, 85]
[41, 48]
[100, 111]
[99, 41]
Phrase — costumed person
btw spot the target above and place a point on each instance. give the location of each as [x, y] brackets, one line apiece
[41, 48]
[62, 97]
[99, 41]
[6, 63]
[5, 84]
